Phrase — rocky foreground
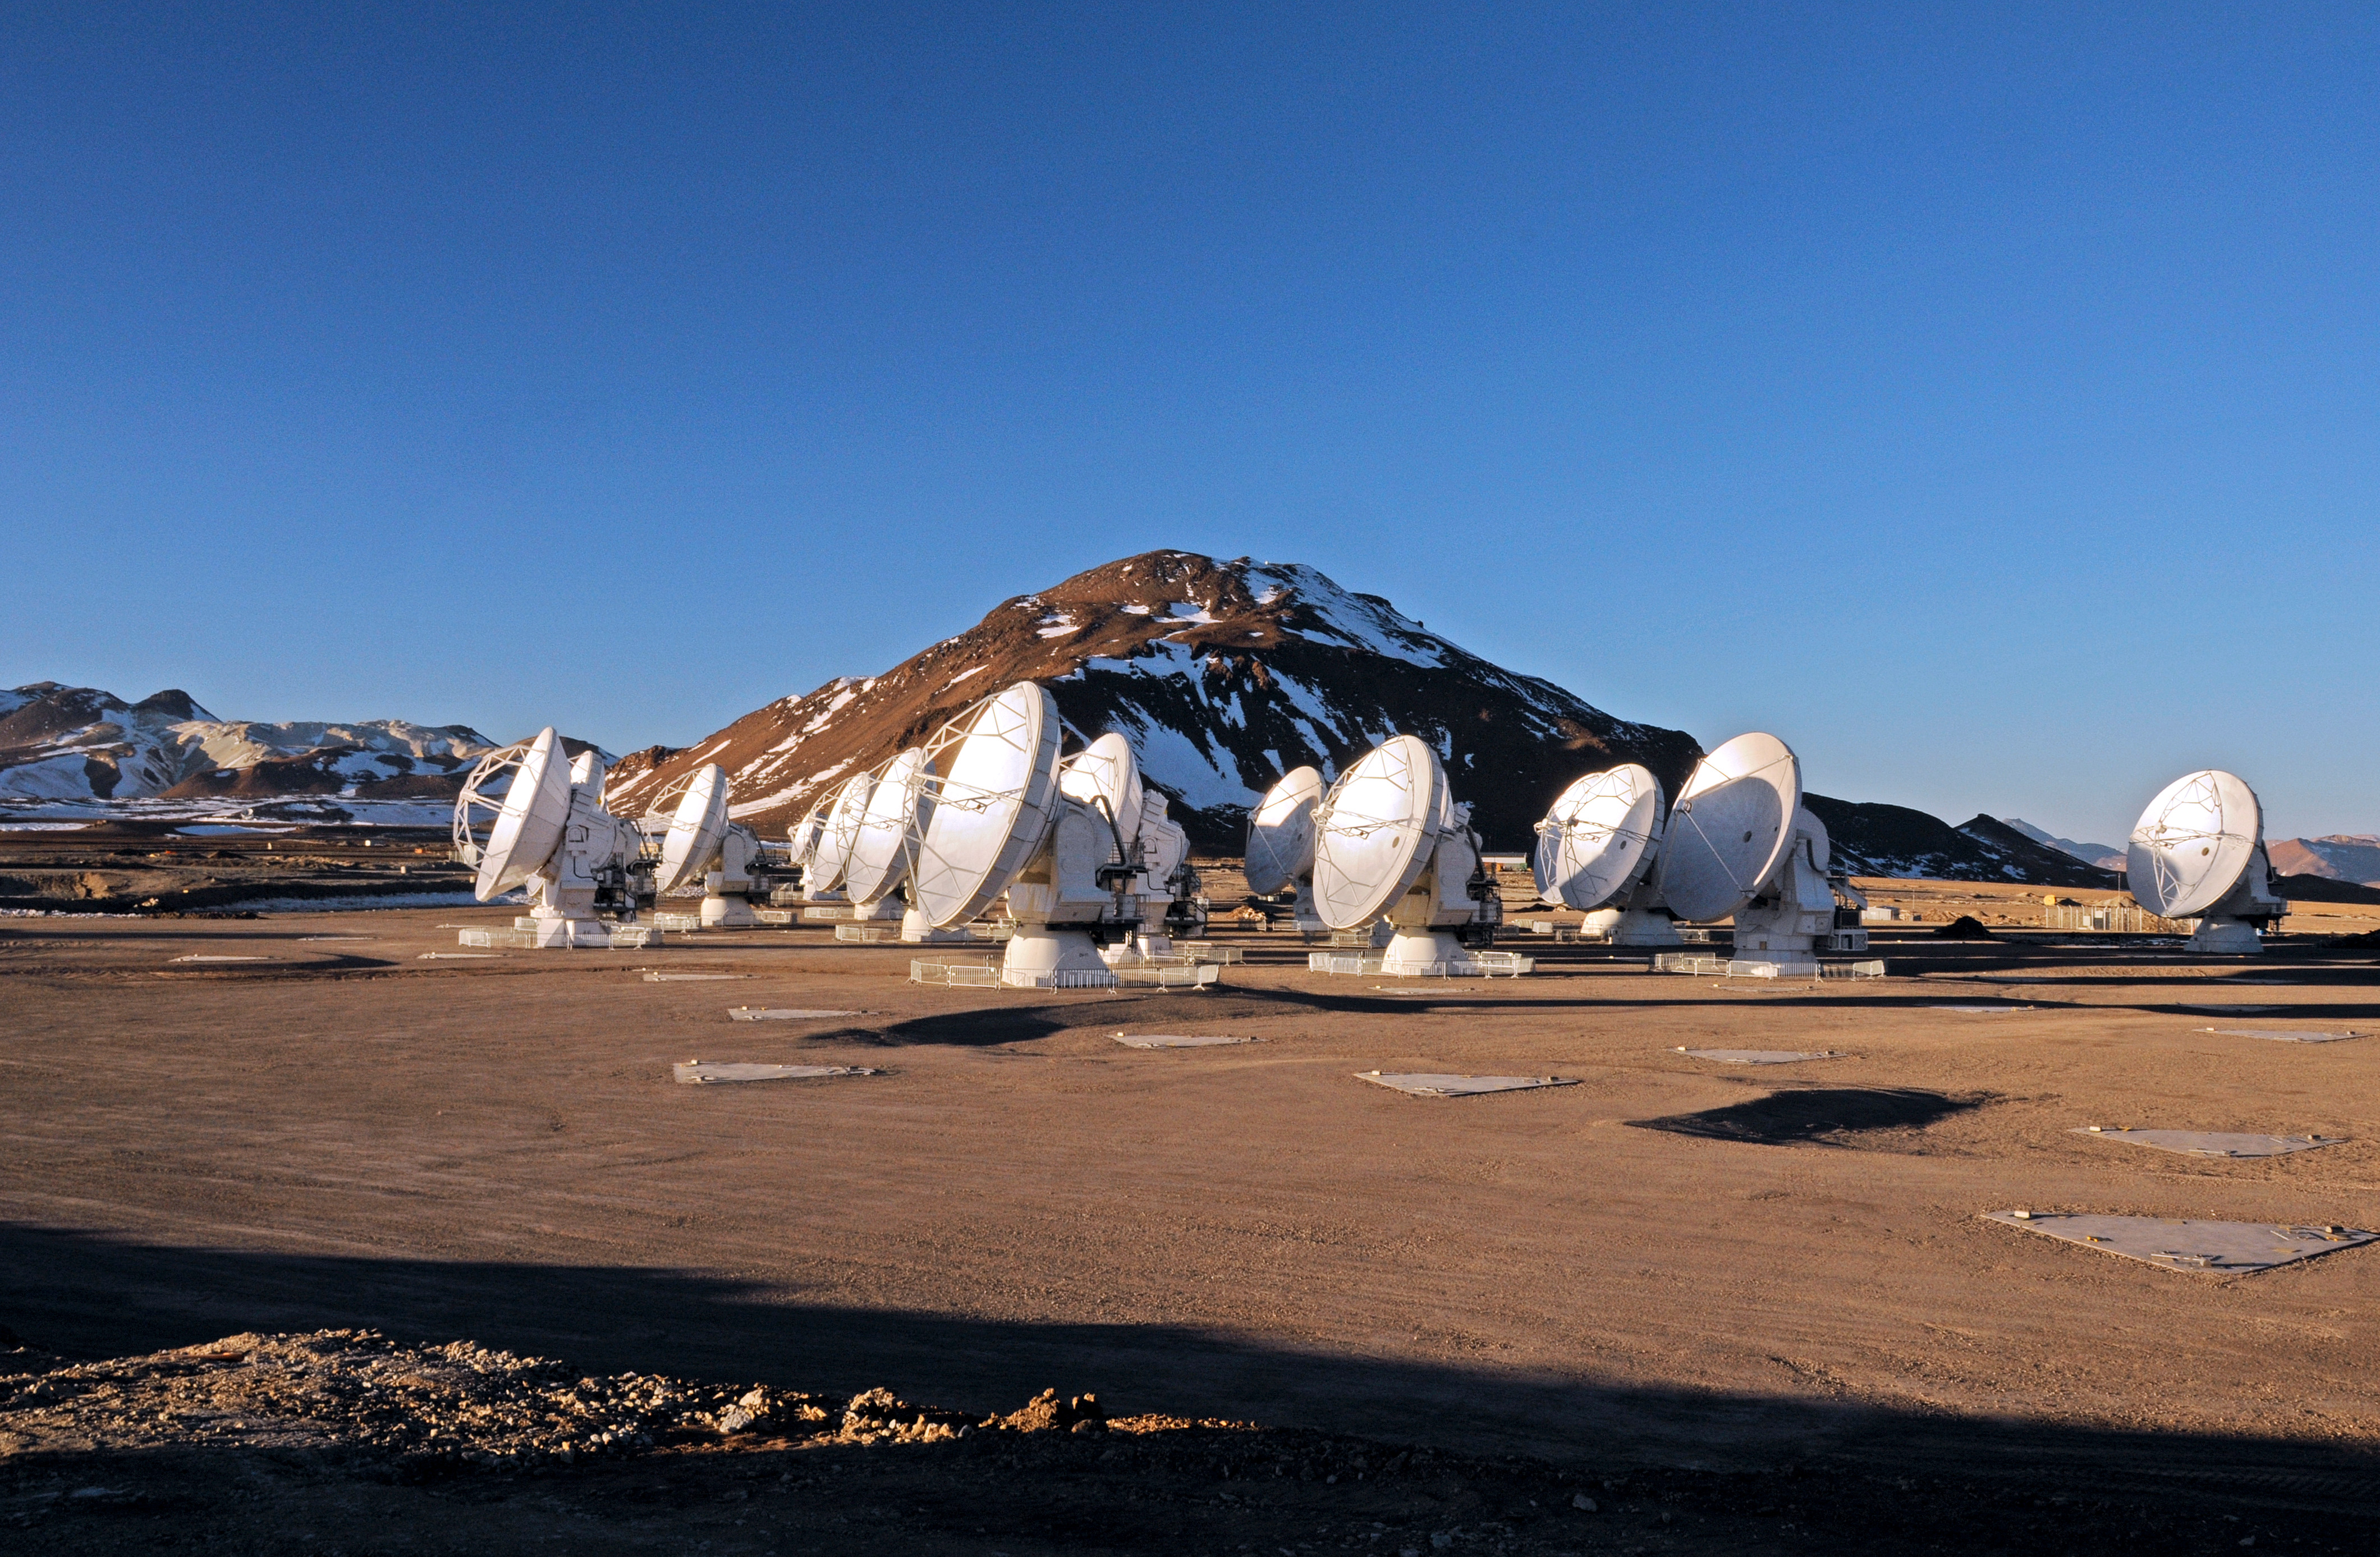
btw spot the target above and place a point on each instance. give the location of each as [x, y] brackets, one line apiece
[344, 1440]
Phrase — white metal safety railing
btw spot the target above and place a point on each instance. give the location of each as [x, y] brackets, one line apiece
[1180, 976]
[678, 921]
[1710, 967]
[1061, 978]
[1752, 968]
[957, 974]
[2123, 918]
[868, 934]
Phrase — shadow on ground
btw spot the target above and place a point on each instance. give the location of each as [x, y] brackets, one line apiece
[94, 1296]
[1816, 1115]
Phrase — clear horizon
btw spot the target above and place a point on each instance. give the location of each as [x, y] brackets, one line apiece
[1980, 400]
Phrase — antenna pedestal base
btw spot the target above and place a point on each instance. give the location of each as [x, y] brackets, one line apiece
[882, 908]
[569, 932]
[1786, 925]
[1052, 956]
[727, 913]
[1632, 926]
[919, 931]
[2226, 937]
[1429, 953]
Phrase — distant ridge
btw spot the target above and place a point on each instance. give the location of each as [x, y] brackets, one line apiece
[83, 750]
[1871, 839]
[2338, 857]
[2108, 857]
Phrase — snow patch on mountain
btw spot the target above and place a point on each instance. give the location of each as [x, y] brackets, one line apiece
[68, 751]
[1220, 674]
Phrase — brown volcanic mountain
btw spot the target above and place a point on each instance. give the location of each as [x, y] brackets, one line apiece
[1223, 676]
[2342, 856]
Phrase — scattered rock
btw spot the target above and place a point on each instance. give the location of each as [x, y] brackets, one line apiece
[1583, 1501]
[1046, 1413]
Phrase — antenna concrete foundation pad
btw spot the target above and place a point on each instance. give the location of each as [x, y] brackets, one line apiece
[1431, 1084]
[700, 1071]
[2213, 1143]
[2217, 1247]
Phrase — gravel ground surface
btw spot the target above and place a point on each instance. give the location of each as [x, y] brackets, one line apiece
[1761, 1300]
[346, 1442]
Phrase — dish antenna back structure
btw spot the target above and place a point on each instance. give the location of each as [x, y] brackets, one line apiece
[699, 843]
[1595, 851]
[2198, 852]
[1166, 876]
[528, 818]
[1002, 815]
[1390, 842]
[1739, 842]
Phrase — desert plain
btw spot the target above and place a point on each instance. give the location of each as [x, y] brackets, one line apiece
[1732, 1306]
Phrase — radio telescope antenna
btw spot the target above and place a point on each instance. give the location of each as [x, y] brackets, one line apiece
[545, 827]
[699, 843]
[1279, 852]
[1740, 842]
[1730, 828]
[2198, 852]
[992, 780]
[531, 807]
[801, 844]
[830, 856]
[1596, 850]
[695, 825]
[1390, 842]
[877, 862]
[1007, 817]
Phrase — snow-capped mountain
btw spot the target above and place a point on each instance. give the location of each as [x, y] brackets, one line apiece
[79, 744]
[1222, 674]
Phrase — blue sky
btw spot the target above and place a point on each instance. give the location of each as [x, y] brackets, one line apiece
[1982, 398]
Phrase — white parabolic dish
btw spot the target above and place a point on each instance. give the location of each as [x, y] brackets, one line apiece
[696, 828]
[2191, 845]
[1730, 828]
[529, 829]
[879, 857]
[1591, 846]
[1281, 831]
[833, 854]
[1374, 832]
[805, 834]
[992, 779]
[1105, 774]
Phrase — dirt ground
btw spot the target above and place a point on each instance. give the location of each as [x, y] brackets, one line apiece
[1795, 1331]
